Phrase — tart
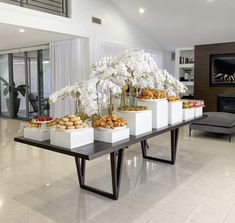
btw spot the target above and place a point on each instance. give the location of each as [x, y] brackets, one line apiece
[109, 121]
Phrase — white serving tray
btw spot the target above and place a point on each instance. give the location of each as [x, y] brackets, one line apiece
[159, 109]
[72, 138]
[175, 112]
[38, 134]
[139, 122]
[112, 136]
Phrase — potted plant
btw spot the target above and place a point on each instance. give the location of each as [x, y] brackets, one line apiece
[15, 90]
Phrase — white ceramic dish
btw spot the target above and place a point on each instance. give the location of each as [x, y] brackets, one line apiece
[134, 111]
[160, 99]
[107, 129]
[70, 130]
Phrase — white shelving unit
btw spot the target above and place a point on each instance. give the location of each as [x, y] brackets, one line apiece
[184, 67]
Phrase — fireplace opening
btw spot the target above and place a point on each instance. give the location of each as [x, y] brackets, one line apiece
[222, 70]
[226, 103]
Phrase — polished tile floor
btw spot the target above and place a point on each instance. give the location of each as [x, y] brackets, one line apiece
[39, 186]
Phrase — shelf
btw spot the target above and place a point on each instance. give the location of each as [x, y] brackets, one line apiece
[190, 65]
[188, 83]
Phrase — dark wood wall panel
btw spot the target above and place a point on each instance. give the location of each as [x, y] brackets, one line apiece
[202, 66]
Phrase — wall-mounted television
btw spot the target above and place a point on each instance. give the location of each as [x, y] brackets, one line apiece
[222, 70]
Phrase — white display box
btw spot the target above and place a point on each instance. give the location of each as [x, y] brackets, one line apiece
[139, 122]
[198, 112]
[38, 134]
[72, 138]
[188, 113]
[112, 136]
[175, 112]
[159, 109]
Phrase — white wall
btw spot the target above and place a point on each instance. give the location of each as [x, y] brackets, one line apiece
[169, 64]
[115, 25]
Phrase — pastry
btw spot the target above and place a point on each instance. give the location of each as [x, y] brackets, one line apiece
[109, 121]
[69, 123]
[70, 127]
[78, 122]
[173, 98]
[74, 119]
[149, 93]
[133, 108]
[61, 127]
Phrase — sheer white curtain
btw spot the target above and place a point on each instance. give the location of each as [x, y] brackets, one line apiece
[107, 48]
[69, 64]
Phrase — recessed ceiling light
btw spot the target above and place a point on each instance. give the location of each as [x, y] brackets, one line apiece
[141, 10]
[210, 0]
[21, 30]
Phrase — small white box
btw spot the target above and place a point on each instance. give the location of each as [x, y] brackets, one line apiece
[188, 113]
[175, 112]
[72, 138]
[112, 136]
[198, 112]
[159, 109]
[139, 122]
[38, 134]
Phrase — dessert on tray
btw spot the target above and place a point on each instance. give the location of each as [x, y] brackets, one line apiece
[109, 121]
[70, 122]
[173, 98]
[133, 108]
[187, 104]
[40, 121]
[149, 93]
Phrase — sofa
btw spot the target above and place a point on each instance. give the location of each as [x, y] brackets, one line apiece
[217, 122]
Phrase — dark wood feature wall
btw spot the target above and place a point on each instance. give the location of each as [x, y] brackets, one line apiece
[202, 68]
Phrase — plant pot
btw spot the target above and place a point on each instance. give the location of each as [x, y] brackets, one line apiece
[16, 106]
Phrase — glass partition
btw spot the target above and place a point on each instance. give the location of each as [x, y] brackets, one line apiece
[4, 86]
[27, 75]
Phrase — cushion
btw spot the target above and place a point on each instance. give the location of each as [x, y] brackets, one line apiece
[220, 119]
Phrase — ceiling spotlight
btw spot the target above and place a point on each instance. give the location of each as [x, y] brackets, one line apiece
[210, 0]
[141, 10]
[21, 30]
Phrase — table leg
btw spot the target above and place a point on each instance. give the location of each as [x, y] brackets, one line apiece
[174, 143]
[116, 161]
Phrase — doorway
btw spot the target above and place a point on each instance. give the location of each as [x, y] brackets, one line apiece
[25, 84]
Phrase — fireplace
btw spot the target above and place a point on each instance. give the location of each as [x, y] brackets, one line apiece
[222, 70]
[226, 103]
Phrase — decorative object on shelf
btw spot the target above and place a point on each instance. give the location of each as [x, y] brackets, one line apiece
[187, 74]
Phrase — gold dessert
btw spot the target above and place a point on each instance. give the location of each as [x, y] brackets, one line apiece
[70, 122]
[109, 121]
[149, 93]
[187, 104]
[133, 108]
[173, 98]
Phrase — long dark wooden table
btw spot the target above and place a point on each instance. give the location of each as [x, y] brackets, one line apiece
[116, 151]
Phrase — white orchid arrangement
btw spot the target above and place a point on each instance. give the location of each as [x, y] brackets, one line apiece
[108, 76]
[139, 69]
[84, 93]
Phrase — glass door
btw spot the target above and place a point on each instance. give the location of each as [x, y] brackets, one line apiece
[25, 84]
[20, 99]
[5, 107]
[33, 96]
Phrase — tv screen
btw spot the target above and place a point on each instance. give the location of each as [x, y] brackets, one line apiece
[222, 70]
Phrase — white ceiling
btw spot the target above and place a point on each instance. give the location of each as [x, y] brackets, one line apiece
[11, 38]
[183, 23]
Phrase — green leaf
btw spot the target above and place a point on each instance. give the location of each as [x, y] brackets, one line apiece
[5, 91]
